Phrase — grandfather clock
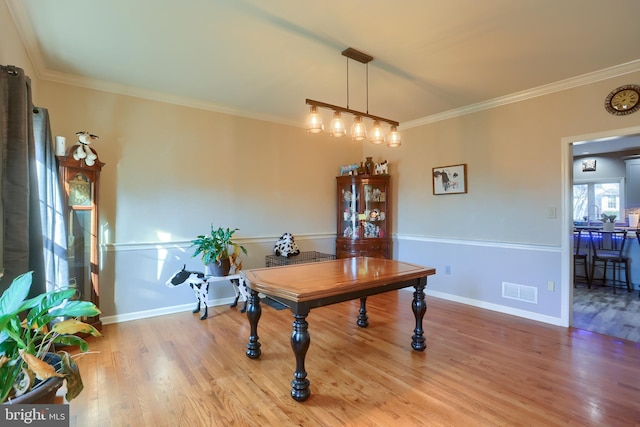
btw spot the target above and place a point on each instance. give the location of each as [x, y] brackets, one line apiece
[80, 183]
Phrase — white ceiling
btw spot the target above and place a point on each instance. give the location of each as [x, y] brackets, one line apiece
[262, 59]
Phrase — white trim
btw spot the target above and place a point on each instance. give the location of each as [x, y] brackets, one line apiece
[484, 243]
[23, 24]
[493, 307]
[142, 246]
[585, 79]
[118, 318]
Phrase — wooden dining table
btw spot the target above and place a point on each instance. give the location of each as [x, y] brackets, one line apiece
[302, 287]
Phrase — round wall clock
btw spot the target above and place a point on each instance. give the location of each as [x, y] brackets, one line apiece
[623, 100]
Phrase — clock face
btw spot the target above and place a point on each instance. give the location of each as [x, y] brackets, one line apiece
[623, 100]
[80, 191]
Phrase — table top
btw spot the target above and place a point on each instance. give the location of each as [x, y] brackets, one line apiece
[305, 282]
[631, 232]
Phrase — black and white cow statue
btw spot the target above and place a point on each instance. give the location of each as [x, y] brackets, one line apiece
[286, 246]
[199, 282]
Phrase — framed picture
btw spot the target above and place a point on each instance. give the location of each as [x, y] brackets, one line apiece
[589, 165]
[450, 179]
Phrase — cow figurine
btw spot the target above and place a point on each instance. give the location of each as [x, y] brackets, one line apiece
[199, 282]
[286, 246]
[381, 168]
[83, 151]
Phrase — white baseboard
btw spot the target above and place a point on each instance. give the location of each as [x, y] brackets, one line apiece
[119, 318]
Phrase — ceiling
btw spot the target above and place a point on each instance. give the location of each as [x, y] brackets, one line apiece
[261, 59]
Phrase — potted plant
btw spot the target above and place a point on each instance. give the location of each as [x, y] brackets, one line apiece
[608, 222]
[31, 370]
[218, 250]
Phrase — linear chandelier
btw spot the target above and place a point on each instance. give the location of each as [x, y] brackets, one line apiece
[358, 129]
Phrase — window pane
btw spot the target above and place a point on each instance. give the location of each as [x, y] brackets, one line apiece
[607, 196]
[580, 202]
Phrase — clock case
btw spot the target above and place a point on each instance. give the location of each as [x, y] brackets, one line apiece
[80, 185]
[609, 100]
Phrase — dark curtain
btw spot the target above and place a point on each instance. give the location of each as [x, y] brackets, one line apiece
[22, 245]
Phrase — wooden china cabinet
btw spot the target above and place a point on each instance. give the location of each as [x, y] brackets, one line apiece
[80, 183]
[364, 223]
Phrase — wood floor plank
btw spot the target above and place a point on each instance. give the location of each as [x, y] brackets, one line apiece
[480, 368]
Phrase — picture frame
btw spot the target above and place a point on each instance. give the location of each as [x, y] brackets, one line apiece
[589, 165]
[449, 179]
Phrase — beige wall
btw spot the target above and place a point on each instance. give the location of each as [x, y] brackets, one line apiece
[171, 170]
[513, 157]
[12, 51]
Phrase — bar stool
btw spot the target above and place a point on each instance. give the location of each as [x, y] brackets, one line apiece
[607, 248]
[580, 258]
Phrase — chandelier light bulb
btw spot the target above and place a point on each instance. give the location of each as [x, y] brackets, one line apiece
[358, 129]
[393, 139]
[337, 125]
[314, 121]
[377, 135]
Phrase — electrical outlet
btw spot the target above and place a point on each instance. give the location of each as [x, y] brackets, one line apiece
[551, 213]
[551, 285]
[447, 269]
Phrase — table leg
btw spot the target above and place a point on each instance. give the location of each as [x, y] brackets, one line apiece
[419, 307]
[254, 311]
[300, 344]
[363, 319]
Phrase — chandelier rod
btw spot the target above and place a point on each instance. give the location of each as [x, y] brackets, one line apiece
[350, 111]
[367, 66]
[347, 81]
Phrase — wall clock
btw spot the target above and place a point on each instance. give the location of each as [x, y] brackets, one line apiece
[623, 100]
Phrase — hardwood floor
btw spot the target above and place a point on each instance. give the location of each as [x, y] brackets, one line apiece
[480, 368]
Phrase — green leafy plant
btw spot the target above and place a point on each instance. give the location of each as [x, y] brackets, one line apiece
[608, 218]
[217, 245]
[29, 330]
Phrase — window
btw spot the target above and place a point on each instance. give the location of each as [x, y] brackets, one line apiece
[592, 199]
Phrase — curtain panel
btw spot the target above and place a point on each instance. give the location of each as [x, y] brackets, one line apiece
[28, 188]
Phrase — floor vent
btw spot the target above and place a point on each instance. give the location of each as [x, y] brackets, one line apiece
[520, 292]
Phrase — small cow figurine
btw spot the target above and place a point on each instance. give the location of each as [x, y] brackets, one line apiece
[199, 282]
[83, 151]
[286, 246]
[381, 168]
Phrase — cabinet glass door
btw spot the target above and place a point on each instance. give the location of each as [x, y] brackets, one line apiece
[375, 224]
[348, 200]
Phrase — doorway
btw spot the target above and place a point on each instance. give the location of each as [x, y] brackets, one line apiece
[598, 309]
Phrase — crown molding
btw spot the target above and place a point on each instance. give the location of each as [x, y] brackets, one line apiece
[120, 89]
[19, 15]
[596, 76]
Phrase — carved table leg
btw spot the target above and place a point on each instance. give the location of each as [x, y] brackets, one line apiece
[363, 319]
[254, 311]
[300, 344]
[419, 307]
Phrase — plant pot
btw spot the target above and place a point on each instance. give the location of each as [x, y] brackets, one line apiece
[608, 226]
[220, 268]
[45, 392]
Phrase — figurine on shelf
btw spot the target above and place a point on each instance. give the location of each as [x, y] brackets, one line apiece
[368, 166]
[382, 168]
[348, 169]
[83, 151]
